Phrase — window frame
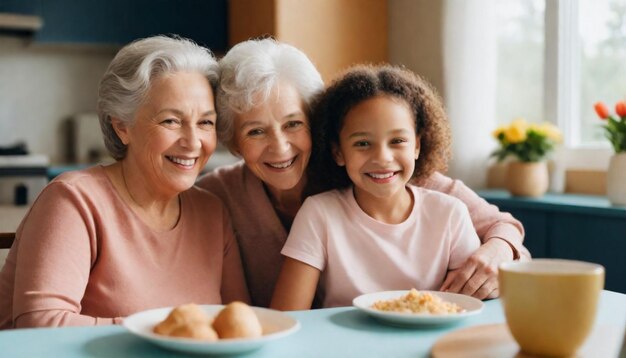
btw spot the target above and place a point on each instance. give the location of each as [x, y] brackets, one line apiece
[562, 91]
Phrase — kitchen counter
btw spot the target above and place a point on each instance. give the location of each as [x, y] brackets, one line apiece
[11, 216]
[218, 159]
[56, 170]
[10, 219]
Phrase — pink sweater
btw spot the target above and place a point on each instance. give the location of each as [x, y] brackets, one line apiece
[83, 257]
[261, 235]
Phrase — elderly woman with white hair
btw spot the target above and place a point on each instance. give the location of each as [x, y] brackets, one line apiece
[265, 92]
[105, 242]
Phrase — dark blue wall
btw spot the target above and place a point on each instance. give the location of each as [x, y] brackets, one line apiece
[118, 22]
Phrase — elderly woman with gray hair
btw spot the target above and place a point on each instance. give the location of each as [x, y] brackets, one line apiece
[105, 242]
[263, 100]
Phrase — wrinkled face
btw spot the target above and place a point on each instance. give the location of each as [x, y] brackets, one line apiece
[378, 146]
[274, 139]
[173, 134]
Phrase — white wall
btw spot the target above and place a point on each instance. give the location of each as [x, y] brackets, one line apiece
[437, 39]
[469, 60]
[43, 85]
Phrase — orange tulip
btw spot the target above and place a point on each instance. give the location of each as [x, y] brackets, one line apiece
[601, 110]
[620, 108]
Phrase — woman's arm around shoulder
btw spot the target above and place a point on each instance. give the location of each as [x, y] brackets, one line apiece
[489, 222]
[478, 275]
[468, 273]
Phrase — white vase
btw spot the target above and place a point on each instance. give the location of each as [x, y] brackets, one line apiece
[616, 179]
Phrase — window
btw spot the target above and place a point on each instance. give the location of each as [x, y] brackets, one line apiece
[602, 29]
[558, 57]
[520, 42]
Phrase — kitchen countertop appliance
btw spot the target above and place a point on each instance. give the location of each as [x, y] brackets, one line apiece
[22, 177]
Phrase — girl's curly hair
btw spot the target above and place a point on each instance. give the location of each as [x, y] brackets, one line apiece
[361, 83]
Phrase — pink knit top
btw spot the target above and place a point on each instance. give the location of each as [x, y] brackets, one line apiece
[83, 257]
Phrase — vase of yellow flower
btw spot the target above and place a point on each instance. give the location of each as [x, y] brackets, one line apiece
[529, 144]
[527, 178]
[615, 131]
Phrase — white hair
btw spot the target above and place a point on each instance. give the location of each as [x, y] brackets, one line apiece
[249, 72]
[126, 82]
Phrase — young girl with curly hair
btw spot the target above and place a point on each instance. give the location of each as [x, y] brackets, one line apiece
[378, 130]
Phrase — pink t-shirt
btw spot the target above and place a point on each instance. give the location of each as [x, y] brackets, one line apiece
[83, 257]
[358, 254]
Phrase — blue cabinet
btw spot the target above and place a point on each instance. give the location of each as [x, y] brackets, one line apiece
[23, 7]
[577, 227]
[118, 22]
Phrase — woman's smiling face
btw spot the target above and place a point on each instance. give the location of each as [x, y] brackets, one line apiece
[173, 134]
[274, 138]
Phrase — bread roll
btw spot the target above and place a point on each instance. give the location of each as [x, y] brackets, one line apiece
[179, 316]
[237, 320]
[195, 330]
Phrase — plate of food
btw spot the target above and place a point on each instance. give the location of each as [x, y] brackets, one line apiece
[414, 308]
[211, 329]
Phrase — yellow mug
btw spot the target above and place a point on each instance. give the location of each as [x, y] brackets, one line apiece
[550, 304]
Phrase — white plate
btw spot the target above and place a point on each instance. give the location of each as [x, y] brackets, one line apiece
[275, 325]
[471, 305]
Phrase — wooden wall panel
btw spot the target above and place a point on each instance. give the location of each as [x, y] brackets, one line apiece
[250, 18]
[333, 33]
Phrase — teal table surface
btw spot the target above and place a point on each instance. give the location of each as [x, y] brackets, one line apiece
[335, 332]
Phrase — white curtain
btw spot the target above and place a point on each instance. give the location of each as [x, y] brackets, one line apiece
[469, 57]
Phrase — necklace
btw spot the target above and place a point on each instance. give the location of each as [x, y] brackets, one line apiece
[126, 186]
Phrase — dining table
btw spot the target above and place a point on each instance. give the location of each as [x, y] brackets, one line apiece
[328, 332]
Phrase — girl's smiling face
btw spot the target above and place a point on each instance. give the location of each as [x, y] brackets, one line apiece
[378, 146]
